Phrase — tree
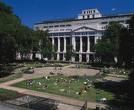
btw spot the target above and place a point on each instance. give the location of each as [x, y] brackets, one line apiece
[45, 45]
[129, 60]
[126, 49]
[5, 8]
[7, 48]
[9, 24]
[35, 43]
[24, 39]
[131, 41]
[108, 46]
[69, 52]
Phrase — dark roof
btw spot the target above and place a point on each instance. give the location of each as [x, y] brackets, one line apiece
[58, 20]
[75, 19]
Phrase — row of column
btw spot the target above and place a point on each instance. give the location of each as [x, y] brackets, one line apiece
[59, 45]
[81, 44]
[81, 48]
[74, 48]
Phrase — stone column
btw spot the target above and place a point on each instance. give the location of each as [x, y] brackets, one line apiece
[64, 59]
[65, 49]
[64, 44]
[80, 57]
[52, 58]
[73, 43]
[58, 52]
[58, 44]
[74, 48]
[58, 56]
[53, 42]
[81, 44]
[95, 38]
[88, 44]
[80, 52]
[88, 48]
[87, 57]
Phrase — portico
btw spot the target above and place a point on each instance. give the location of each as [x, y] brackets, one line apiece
[82, 40]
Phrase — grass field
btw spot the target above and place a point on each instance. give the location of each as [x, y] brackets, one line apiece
[81, 88]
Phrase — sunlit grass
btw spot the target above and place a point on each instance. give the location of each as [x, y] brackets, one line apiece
[67, 86]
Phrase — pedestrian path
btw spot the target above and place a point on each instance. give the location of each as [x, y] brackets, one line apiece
[61, 99]
[12, 82]
[68, 66]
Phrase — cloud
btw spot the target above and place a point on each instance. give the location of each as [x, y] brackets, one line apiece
[113, 9]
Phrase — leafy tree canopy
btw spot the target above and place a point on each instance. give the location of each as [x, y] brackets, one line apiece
[108, 46]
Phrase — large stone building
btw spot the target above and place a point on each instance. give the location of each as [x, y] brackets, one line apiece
[81, 32]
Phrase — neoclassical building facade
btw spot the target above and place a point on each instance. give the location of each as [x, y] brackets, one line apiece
[81, 32]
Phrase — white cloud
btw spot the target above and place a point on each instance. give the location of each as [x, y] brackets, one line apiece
[113, 9]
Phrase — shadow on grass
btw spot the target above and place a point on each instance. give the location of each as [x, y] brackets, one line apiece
[120, 91]
[5, 70]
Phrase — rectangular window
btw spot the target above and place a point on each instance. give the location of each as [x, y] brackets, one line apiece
[56, 26]
[45, 26]
[50, 26]
[62, 25]
[104, 22]
[68, 25]
[61, 29]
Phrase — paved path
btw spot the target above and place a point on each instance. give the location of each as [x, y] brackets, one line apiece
[39, 72]
[62, 99]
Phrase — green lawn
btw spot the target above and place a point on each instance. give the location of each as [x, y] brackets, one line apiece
[8, 94]
[67, 86]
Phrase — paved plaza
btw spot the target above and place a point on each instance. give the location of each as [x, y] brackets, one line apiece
[67, 71]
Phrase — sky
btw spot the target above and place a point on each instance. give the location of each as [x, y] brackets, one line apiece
[34, 11]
